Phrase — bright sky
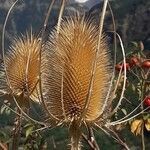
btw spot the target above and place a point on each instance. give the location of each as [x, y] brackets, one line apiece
[88, 3]
[81, 1]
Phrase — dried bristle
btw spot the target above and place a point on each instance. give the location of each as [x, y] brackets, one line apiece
[22, 64]
[70, 56]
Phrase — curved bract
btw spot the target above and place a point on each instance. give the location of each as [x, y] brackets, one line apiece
[66, 78]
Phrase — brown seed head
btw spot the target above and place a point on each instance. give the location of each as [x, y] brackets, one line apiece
[69, 59]
[22, 65]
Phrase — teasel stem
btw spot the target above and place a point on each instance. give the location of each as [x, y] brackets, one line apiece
[17, 130]
[113, 73]
[75, 134]
[115, 36]
[143, 138]
[60, 15]
[125, 75]
[115, 52]
[88, 141]
[92, 139]
[94, 63]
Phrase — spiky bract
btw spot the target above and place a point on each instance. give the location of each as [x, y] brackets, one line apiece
[22, 66]
[70, 56]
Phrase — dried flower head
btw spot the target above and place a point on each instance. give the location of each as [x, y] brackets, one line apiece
[22, 68]
[66, 78]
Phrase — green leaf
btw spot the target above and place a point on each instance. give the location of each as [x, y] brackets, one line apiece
[3, 108]
[29, 131]
[124, 111]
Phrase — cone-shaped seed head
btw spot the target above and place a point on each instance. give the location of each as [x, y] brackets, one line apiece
[22, 65]
[69, 60]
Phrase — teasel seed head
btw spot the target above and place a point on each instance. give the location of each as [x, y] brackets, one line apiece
[66, 78]
[22, 68]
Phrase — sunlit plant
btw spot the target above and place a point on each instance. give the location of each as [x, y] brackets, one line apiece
[72, 76]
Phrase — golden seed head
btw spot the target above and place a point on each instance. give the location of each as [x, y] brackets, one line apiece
[69, 59]
[22, 65]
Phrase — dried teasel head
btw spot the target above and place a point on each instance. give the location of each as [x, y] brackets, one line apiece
[66, 78]
[22, 69]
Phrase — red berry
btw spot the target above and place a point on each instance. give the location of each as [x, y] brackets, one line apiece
[146, 64]
[119, 66]
[147, 101]
[134, 61]
[127, 65]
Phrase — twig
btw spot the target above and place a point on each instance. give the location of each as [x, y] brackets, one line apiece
[120, 141]
[143, 138]
[3, 147]
[60, 15]
[142, 107]
[54, 144]
[92, 139]
[88, 141]
[125, 74]
[16, 131]
[123, 121]
[113, 73]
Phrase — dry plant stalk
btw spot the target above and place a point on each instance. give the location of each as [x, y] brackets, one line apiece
[69, 58]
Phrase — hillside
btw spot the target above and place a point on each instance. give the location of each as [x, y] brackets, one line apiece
[131, 16]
